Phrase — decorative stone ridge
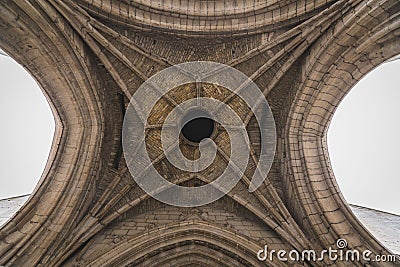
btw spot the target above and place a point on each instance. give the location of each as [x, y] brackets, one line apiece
[90, 57]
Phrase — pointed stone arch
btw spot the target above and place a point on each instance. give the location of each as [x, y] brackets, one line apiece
[305, 58]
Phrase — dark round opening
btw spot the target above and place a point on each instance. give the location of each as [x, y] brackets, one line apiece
[197, 126]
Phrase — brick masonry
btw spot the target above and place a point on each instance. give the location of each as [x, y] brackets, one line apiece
[90, 57]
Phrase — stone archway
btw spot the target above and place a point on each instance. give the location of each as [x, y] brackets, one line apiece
[90, 57]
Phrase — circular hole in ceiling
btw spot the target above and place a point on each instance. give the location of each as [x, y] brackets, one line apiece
[197, 125]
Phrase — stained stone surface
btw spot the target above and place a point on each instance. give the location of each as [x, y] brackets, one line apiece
[9, 206]
[384, 226]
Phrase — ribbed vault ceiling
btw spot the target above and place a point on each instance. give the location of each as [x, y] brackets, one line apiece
[90, 57]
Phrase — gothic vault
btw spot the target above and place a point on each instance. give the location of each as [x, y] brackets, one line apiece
[90, 56]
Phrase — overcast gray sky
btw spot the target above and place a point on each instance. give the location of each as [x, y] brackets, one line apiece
[27, 128]
[363, 138]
